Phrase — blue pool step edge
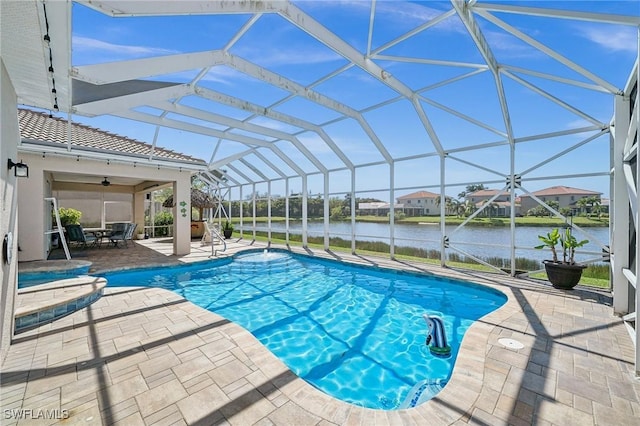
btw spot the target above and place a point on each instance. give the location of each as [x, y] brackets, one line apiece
[422, 392]
[41, 304]
[43, 271]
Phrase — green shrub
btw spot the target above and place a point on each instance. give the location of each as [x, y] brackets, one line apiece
[162, 220]
[337, 213]
[598, 270]
[68, 216]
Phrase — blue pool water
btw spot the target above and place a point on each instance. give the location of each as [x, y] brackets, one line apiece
[356, 333]
[28, 279]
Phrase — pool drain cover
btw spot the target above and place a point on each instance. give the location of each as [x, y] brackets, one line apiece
[510, 343]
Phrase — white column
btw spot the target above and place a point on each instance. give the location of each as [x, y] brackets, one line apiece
[637, 124]
[10, 195]
[182, 215]
[619, 214]
[31, 239]
[138, 210]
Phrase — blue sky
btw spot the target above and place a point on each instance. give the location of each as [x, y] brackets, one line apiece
[606, 50]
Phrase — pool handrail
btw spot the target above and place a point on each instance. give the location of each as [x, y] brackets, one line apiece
[212, 231]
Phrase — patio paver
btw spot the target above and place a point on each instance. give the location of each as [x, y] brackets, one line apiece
[146, 356]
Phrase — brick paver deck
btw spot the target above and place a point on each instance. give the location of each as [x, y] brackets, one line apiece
[147, 356]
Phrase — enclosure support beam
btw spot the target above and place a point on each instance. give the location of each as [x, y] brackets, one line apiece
[253, 200]
[241, 214]
[326, 210]
[269, 212]
[443, 229]
[512, 201]
[620, 216]
[392, 211]
[353, 211]
[286, 210]
[305, 196]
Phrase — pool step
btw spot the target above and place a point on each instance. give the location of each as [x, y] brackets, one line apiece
[43, 303]
[422, 392]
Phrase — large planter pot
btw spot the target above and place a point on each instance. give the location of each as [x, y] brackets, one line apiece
[227, 233]
[563, 275]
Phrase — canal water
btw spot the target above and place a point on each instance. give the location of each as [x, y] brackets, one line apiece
[478, 241]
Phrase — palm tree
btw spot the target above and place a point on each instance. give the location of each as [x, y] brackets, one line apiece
[595, 203]
[490, 207]
[469, 208]
[583, 203]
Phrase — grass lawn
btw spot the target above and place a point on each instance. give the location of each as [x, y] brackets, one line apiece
[454, 220]
[586, 281]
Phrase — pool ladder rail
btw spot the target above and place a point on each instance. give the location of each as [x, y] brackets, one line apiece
[210, 233]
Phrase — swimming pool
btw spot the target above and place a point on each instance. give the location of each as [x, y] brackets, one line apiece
[356, 333]
[28, 279]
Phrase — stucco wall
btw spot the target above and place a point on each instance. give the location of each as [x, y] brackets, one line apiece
[9, 137]
[528, 203]
[34, 224]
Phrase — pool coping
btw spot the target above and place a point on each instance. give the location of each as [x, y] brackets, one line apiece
[304, 391]
[541, 383]
[464, 384]
[52, 265]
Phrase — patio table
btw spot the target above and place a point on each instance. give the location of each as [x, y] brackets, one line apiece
[99, 233]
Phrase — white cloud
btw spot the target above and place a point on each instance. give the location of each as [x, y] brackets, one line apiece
[578, 123]
[401, 12]
[301, 56]
[405, 11]
[86, 44]
[509, 45]
[616, 39]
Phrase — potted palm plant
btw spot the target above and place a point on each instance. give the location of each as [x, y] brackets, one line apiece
[227, 230]
[565, 273]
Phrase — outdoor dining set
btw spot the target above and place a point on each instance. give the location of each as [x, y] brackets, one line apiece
[94, 237]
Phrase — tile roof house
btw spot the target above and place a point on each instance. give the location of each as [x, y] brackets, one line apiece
[39, 130]
[566, 196]
[420, 203]
[502, 204]
[70, 163]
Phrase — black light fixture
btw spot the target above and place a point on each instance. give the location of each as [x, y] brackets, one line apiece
[20, 169]
[105, 182]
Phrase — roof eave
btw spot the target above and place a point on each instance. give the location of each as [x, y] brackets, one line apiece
[30, 146]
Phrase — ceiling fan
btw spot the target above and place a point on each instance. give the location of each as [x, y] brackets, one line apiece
[105, 182]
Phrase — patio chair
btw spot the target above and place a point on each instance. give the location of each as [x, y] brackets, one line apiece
[130, 232]
[118, 233]
[77, 236]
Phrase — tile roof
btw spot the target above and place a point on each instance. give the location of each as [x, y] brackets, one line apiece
[497, 203]
[486, 193]
[562, 190]
[39, 128]
[419, 194]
